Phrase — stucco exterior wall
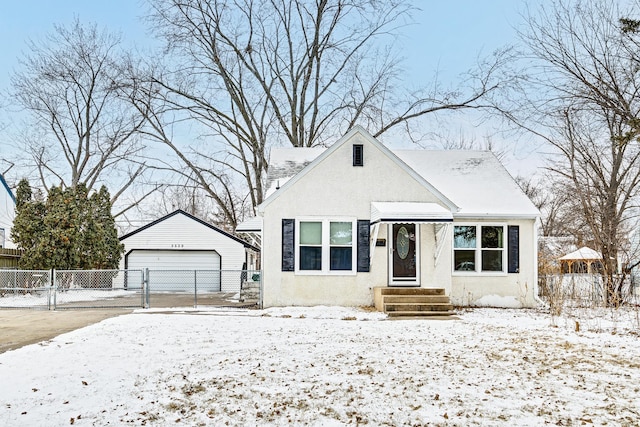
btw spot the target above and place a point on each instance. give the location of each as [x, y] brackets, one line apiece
[335, 188]
[503, 289]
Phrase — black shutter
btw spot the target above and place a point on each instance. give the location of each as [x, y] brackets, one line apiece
[288, 244]
[363, 245]
[513, 253]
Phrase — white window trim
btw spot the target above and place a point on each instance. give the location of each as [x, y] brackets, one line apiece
[326, 247]
[478, 250]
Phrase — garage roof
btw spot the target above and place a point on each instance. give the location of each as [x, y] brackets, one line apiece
[181, 212]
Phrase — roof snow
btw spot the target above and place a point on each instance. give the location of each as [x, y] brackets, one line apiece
[582, 254]
[475, 181]
[285, 163]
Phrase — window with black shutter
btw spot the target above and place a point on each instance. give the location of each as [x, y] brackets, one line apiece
[482, 248]
[322, 246]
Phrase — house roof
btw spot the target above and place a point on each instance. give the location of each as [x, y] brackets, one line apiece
[291, 164]
[583, 253]
[470, 183]
[181, 212]
[285, 163]
[476, 181]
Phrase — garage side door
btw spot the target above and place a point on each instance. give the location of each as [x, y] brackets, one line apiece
[178, 270]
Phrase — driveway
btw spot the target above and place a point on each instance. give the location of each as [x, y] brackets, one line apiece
[20, 327]
[23, 327]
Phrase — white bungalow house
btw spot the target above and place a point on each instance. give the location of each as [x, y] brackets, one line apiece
[342, 225]
[7, 214]
[174, 246]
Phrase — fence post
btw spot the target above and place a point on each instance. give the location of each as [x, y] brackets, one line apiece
[261, 288]
[53, 289]
[49, 285]
[145, 287]
[195, 288]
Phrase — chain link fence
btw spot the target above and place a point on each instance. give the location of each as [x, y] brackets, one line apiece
[98, 289]
[203, 287]
[25, 289]
[62, 289]
[73, 289]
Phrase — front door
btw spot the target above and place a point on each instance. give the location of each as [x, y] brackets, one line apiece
[404, 255]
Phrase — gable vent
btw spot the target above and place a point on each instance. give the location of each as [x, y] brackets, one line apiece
[358, 155]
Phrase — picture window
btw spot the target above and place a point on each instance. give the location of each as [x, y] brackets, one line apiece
[326, 246]
[479, 248]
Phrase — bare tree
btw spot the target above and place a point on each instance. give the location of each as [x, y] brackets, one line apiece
[555, 198]
[7, 165]
[209, 171]
[189, 198]
[293, 72]
[461, 141]
[81, 130]
[588, 110]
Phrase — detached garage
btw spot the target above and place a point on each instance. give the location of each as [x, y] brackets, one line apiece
[181, 250]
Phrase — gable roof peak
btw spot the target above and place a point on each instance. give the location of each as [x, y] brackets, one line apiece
[191, 217]
[367, 136]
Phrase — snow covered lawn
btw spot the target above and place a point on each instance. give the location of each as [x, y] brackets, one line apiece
[324, 366]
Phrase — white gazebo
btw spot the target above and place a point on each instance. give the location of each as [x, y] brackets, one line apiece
[584, 260]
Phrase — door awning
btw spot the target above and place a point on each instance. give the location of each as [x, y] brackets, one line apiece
[251, 225]
[252, 230]
[398, 212]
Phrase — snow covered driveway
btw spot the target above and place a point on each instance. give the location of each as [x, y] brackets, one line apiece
[323, 366]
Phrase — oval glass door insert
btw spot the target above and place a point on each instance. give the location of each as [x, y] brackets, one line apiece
[402, 243]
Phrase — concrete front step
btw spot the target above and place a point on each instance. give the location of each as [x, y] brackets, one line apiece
[421, 299]
[420, 314]
[417, 307]
[413, 302]
[411, 291]
[250, 292]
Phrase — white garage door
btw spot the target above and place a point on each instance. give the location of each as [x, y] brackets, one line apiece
[178, 270]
